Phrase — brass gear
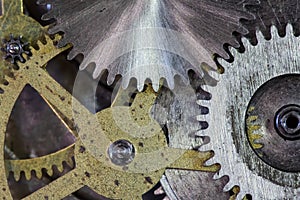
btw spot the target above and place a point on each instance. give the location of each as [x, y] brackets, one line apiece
[90, 171]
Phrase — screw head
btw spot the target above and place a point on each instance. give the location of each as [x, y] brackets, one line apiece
[121, 152]
[13, 48]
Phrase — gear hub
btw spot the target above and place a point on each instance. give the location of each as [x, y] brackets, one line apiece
[287, 122]
[276, 108]
[121, 152]
[14, 48]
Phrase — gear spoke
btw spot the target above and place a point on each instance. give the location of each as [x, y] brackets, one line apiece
[172, 158]
[193, 160]
[58, 98]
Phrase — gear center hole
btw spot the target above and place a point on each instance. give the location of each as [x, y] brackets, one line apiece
[292, 122]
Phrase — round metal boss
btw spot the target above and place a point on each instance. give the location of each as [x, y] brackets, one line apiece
[121, 152]
[273, 122]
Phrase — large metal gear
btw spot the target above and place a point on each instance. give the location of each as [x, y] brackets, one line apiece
[257, 96]
[181, 35]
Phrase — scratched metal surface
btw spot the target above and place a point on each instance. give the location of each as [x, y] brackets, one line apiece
[228, 138]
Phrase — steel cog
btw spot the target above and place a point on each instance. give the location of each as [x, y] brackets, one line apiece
[112, 35]
[229, 138]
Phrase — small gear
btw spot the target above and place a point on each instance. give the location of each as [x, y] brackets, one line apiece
[181, 35]
[261, 82]
[14, 48]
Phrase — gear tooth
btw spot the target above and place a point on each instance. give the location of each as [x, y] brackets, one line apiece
[49, 40]
[204, 148]
[33, 50]
[232, 51]
[289, 30]
[60, 167]
[223, 62]
[125, 82]
[73, 54]
[159, 191]
[199, 133]
[155, 86]
[228, 186]
[140, 85]
[241, 195]
[46, 17]
[39, 44]
[111, 78]
[50, 171]
[203, 103]
[17, 175]
[210, 161]
[22, 60]
[82, 66]
[27, 175]
[201, 118]
[274, 32]
[171, 83]
[70, 162]
[41, 2]
[39, 173]
[55, 29]
[97, 70]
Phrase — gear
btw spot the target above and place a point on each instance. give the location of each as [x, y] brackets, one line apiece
[244, 88]
[14, 48]
[179, 36]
